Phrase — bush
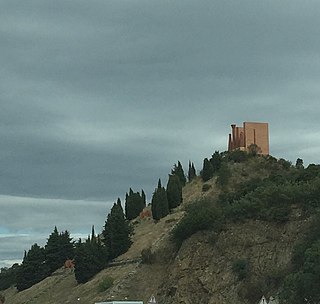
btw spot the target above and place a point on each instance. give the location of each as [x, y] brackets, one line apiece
[237, 156]
[147, 256]
[241, 269]
[105, 284]
[223, 176]
[205, 187]
[201, 215]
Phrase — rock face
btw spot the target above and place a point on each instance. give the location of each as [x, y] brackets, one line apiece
[202, 269]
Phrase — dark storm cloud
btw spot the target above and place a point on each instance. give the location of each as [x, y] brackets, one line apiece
[99, 96]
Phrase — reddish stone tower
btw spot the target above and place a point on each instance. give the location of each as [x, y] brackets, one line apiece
[251, 133]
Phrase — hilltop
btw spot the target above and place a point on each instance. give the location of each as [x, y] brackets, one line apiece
[250, 253]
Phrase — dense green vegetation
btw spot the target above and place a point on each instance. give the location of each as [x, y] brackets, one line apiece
[263, 188]
[159, 202]
[134, 204]
[174, 191]
[91, 257]
[58, 249]
[117, 231]
[201, 215]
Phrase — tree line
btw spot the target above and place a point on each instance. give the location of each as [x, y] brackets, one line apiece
[93, 254]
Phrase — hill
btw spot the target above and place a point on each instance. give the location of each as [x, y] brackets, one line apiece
[249, 255]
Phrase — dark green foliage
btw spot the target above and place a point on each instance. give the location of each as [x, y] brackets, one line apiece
[312, 235]
[201, 215]
[311, 172]
[254, 150]
[105, 284]
[237, 156]
[159, 203]
[205, 187]
[302, 286]
[191, 172]
[207, 170]
[241, 269]
[223, 176]
[58, 249]
[144, 199]
[90, 258]
[134, 204]
[178, 170]
[174, 191]
[299, 163]
[271, 202]
[284, 163]
[116, 232]
[8, 276]
[2, 298]
[216, 161]
[32, 269]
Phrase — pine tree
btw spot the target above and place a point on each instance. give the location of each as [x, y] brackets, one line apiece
[58, 249]
[174, 191]
[33, 268]
[191, 172]
[117, 232]
[178, 170]
[207, 171]
[159, 203]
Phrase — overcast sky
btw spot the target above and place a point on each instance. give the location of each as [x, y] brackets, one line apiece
[99, 96]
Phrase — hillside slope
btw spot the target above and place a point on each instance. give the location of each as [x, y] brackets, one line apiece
[200, 271]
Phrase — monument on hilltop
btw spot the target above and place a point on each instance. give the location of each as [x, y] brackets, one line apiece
[251, 133]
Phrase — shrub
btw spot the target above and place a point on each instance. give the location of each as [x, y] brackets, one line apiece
[223, 176]
[241, 269]
[205, 187]
[237, 156]
[201, 215]
[105, 284]
[147, 256]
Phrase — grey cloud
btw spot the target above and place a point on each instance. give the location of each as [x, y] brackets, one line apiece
[100, 96]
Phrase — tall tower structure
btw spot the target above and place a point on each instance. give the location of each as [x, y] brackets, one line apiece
[256, 133]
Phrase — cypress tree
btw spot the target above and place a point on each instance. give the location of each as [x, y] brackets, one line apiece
[134, 204]
[144, 199]
[174, 191]
[207, 171]
[116, 232]
[90, 258]
[159, 203]
[216, 161]
[191, 172]
[178, 170]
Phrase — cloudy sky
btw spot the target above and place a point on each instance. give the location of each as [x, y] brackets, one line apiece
[102, 95]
